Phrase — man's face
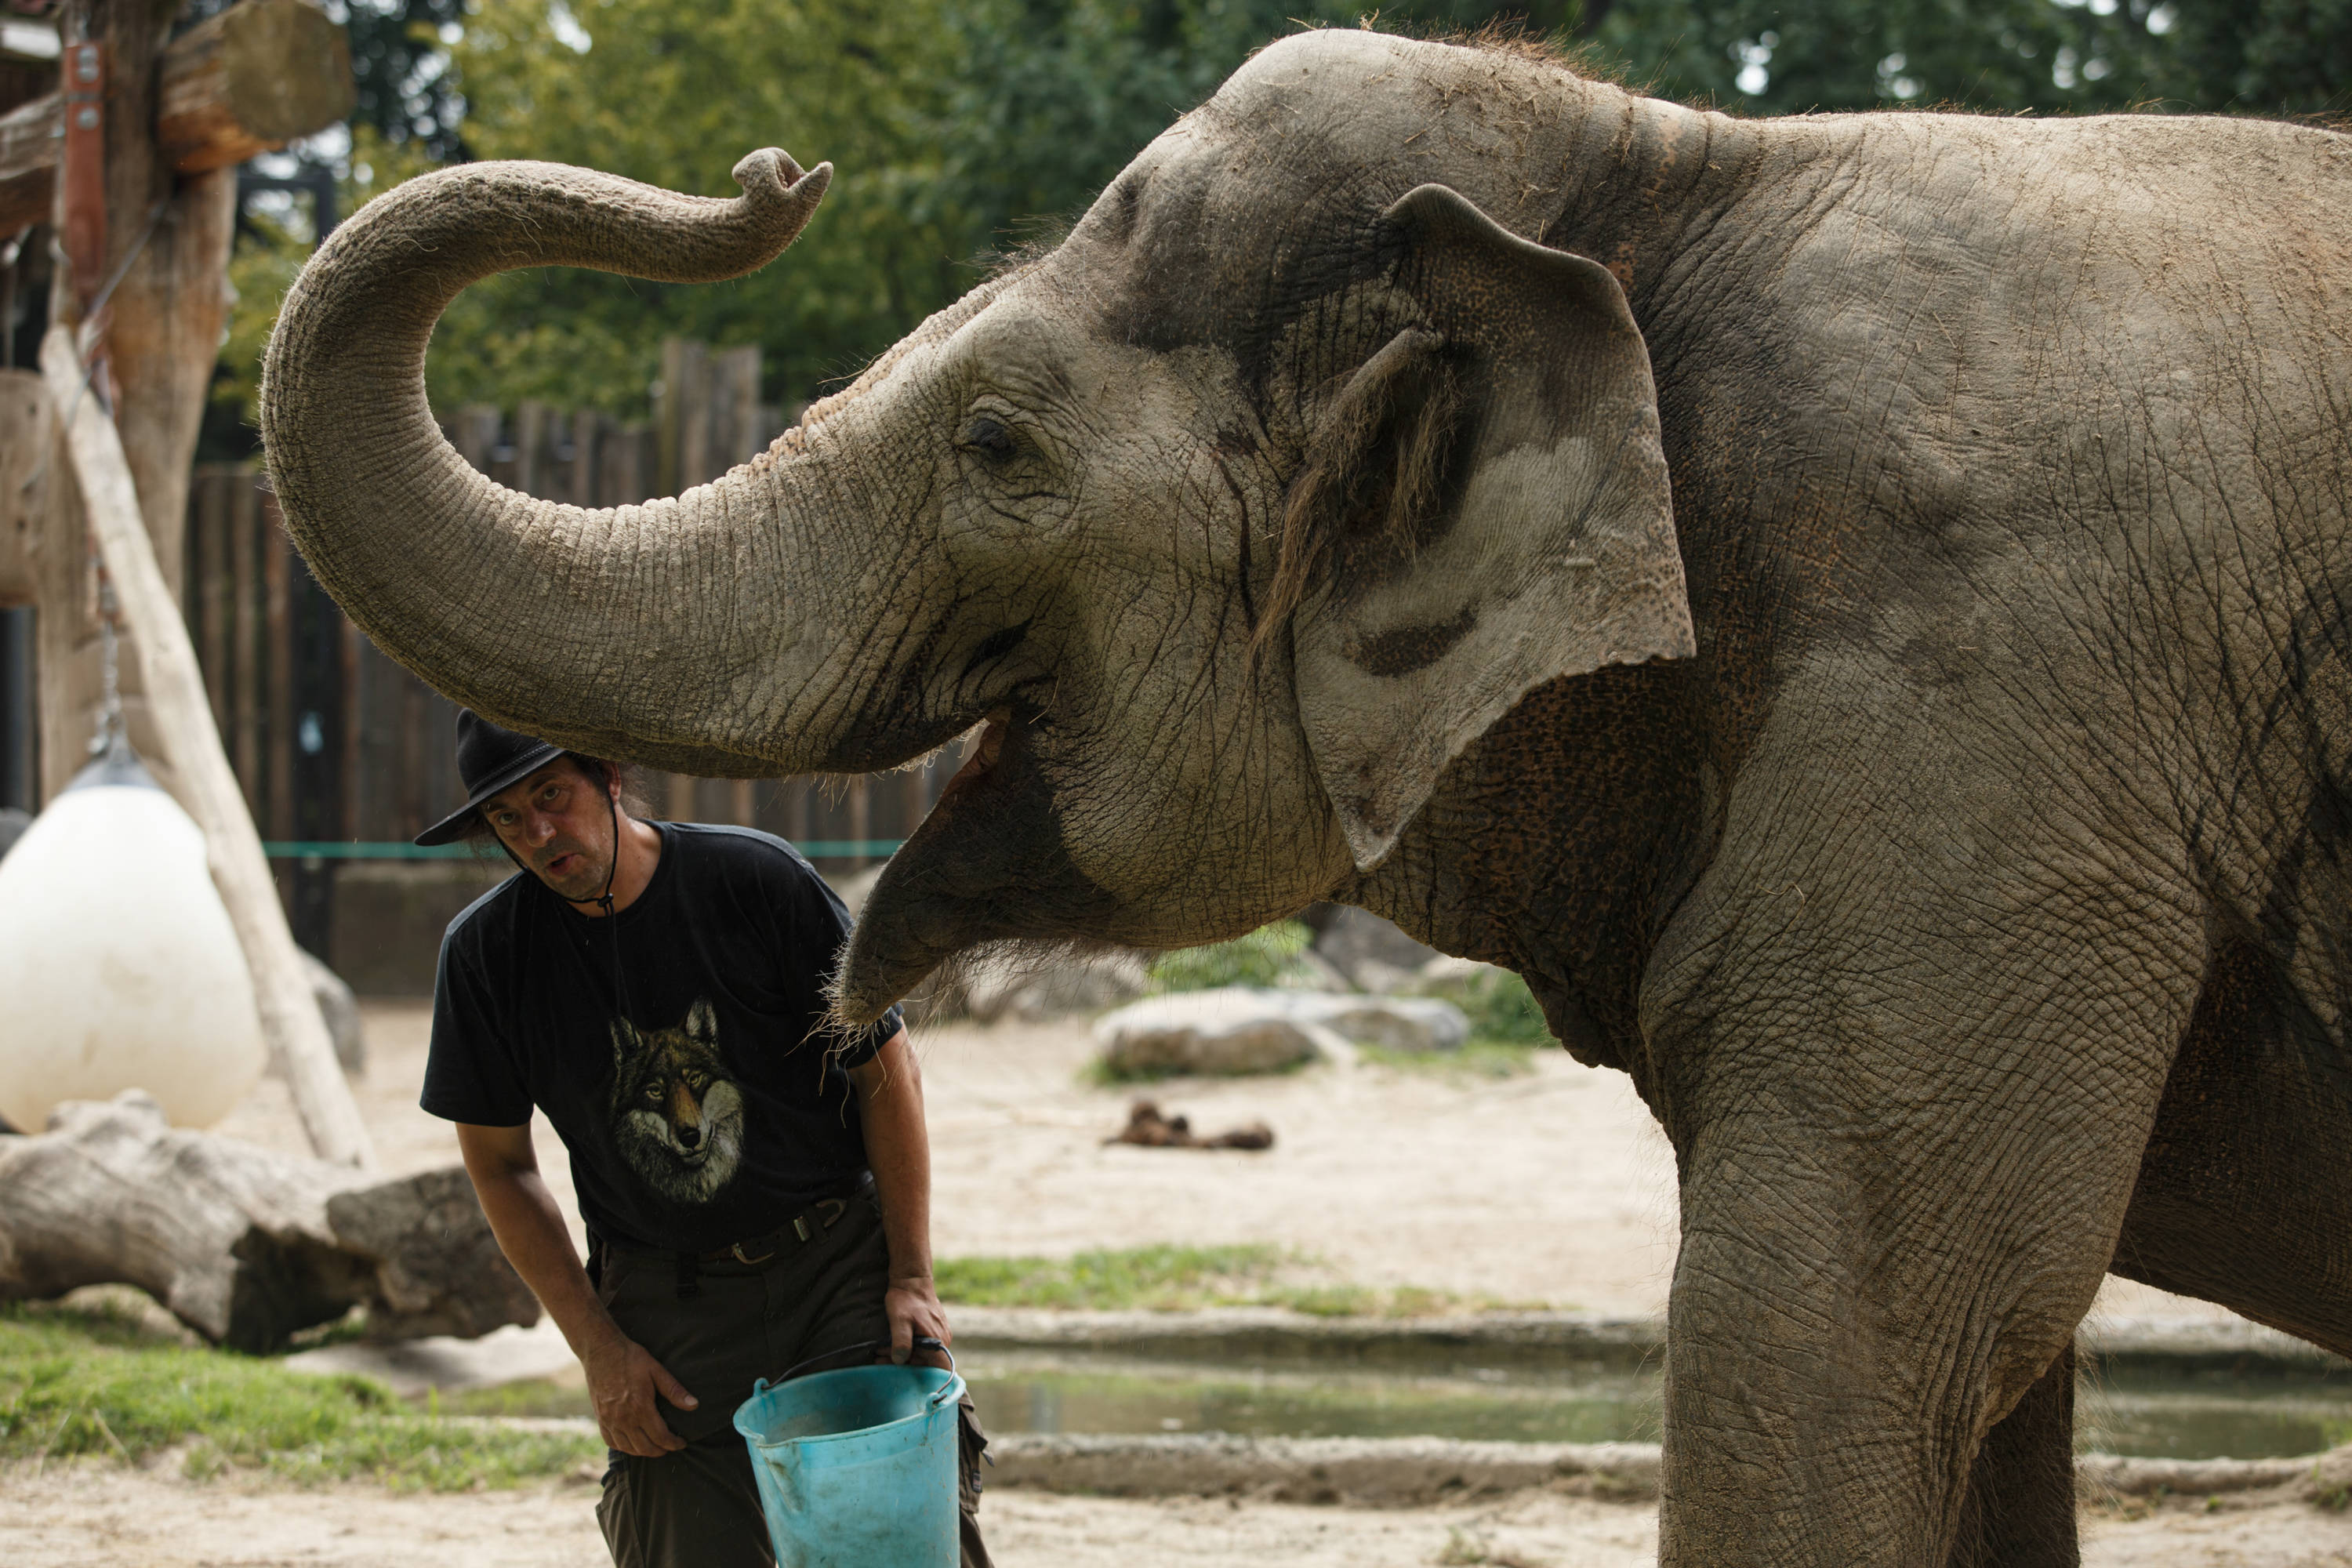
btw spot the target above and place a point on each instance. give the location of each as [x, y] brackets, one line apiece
[559, 823]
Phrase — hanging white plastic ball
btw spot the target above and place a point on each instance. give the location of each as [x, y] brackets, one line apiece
[118, 963]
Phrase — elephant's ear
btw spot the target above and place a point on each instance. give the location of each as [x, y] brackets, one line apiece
[1484, 509]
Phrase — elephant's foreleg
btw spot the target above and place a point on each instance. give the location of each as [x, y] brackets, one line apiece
[2019, 1510]
[1894, 1216]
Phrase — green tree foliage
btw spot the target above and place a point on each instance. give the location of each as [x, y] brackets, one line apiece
[674, 95]
[961, 128]
[401, 71]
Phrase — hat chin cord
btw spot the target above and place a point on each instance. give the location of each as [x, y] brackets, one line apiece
[603, 901]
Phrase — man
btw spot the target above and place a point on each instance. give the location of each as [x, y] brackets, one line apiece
[755, 1183]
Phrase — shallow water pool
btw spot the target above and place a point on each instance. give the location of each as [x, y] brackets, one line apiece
[2191, 1416]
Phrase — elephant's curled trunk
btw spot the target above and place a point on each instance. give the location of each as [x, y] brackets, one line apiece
[621, 630]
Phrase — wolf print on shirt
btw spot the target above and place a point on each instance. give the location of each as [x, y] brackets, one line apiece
[676, 1115]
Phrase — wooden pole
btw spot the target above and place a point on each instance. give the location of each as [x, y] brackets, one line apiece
[253, 78]
[291, 1019]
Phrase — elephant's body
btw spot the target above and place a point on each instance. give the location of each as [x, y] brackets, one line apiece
[2008, 788]
[1964, 886]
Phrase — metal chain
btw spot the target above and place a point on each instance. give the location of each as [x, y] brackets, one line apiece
[110, 711]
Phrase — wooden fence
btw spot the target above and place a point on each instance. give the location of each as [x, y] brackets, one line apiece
[344, 755]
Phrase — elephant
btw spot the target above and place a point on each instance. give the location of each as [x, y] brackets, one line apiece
[1852, 608]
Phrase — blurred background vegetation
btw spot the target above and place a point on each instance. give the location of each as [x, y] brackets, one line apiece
[959, 129]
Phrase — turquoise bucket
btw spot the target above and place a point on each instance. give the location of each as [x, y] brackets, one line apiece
[857, 1468]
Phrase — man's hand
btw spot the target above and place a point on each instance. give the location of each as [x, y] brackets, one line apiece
[913, 1308]
[622, 1379]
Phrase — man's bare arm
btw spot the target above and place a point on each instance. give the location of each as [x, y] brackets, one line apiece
[898, 1147]
[622, 1376]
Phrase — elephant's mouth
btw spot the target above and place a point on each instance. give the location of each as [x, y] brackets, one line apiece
[987, 865]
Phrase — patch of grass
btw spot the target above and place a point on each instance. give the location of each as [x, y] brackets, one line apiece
[1262, 958]
[76, 1381]
[1163, 1279]
[537, 1399]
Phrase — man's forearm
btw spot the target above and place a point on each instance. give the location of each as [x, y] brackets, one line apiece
[899, 1148]
[531, 1232]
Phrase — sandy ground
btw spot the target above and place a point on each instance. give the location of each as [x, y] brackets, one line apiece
[99, 1515]
[1552, 1188]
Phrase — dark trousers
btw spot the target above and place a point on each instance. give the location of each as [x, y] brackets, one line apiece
[699, 1507]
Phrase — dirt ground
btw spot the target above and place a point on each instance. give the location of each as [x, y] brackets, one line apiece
[97, 1515]
[1552, 1187]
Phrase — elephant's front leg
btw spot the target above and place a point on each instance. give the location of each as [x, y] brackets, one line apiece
[1889, 1235]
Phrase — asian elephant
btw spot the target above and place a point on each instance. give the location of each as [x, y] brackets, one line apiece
[1852, 608]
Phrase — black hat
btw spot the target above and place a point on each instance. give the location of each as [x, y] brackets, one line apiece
[490, 759]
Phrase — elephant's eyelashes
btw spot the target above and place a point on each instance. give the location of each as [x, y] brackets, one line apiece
[987, 437]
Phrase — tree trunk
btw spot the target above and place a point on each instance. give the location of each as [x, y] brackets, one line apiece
[244, 1245]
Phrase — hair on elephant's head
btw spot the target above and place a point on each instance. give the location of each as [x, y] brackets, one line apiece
[1236, 517]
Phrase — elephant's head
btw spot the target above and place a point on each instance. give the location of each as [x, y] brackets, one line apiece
[1236, 517]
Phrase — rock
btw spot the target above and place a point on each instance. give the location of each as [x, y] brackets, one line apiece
[1053, 986]
[1236, 1029]
[340, 1009]
[1229, 1031]
[1372, 953]
[1393, 1022]
[1454, 979]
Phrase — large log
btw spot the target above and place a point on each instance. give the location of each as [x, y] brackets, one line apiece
[249, 81]
[244, 1245]
[204, 784]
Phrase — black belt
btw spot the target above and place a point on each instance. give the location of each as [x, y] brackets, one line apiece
[802, 1226]
[798, 1231]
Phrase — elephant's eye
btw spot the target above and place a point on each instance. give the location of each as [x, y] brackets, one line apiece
[987, 437]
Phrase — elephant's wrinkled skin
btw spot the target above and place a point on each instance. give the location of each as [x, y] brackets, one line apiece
[1966, 898]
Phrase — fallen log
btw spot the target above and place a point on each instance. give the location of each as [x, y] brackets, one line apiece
[245, 1244]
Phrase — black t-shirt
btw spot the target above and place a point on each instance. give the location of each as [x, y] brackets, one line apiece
[699, 1088]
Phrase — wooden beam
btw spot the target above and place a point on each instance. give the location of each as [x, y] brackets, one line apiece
[31, 136]
[291, 1019]
[249, 81]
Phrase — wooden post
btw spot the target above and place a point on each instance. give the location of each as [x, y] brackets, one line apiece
[244, 576]
[742, 803]
[291, 1019]
[253, 78]
[278, 617]
[214, 598]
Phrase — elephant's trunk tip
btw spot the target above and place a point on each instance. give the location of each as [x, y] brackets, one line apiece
[771, 176]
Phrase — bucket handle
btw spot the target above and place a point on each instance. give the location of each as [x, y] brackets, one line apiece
[922, 1342]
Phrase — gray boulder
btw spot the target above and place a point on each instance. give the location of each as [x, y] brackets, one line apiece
[1238, 1029]
[1225, 1031]
[1372, 953]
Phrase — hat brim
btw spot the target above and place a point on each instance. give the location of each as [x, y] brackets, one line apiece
[452, 827]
